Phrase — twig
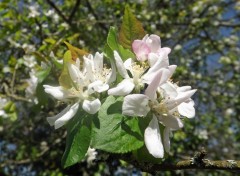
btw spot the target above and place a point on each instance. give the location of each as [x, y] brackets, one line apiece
[74, 11]
[58, 11]
[95, 15]
[12, 95]
[197, 162]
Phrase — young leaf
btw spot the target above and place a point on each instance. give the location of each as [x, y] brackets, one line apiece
[116, 133]
[76, 52]
[113, 44]
[78, 140]
[131, 29]
[64, 79]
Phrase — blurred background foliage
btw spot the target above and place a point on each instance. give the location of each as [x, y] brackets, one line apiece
[204, 38]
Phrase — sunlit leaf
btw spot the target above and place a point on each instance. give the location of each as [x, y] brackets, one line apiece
[64, 79]
[131, 29]
[76, 52]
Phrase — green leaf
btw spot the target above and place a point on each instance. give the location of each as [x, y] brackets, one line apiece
[131, 29]
[113, 44]
[42, 74]
[78, 139]
[114, 132]
[41, 95]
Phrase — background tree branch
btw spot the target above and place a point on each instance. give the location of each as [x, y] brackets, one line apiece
[197, 162]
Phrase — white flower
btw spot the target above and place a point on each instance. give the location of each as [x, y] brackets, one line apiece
[166, 107]
[135, 75]
[88, 81]
[31, 89]
[29, 61]
[3, 102]
[33, 11]
[91, 155]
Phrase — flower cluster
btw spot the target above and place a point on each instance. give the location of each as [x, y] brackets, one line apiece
[144, 81]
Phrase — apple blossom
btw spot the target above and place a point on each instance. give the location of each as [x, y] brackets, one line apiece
[90, 80]
[149, 44]
[167, 103]
[136, 74]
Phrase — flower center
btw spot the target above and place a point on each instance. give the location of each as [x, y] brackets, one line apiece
[159, 109]
[103, 75]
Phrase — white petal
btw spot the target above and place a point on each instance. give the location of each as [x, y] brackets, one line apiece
[57, 92]
[169, 90]
[172, 68]
[91, 106]
[153, 85]
[51, 120]
[123, 88]
[97, 86]
[128, 65]
[120, 66]
[135, 105]
[182, 97]
[183, 88]
[148, 77]
[67, 116]
[98, 62]
[187, 109]
[152, 139]
[171, 121]
[112, 76]
[166, 139]
[75, 74]
[89, 67]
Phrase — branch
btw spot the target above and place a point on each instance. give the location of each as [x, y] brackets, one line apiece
[96, 16]
[74, 11]
[58, 11]
[197, 162]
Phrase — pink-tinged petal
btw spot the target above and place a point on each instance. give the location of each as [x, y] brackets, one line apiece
[152, 139]
[187, 109]
[166, 139]
[57, 92]
[135, 105]
[123, 88]
[120, 66]
[51, 120]
[141, 49]
[171, 121]
[154, 43]
[67, 116]
[91, 107]
[152, 87]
